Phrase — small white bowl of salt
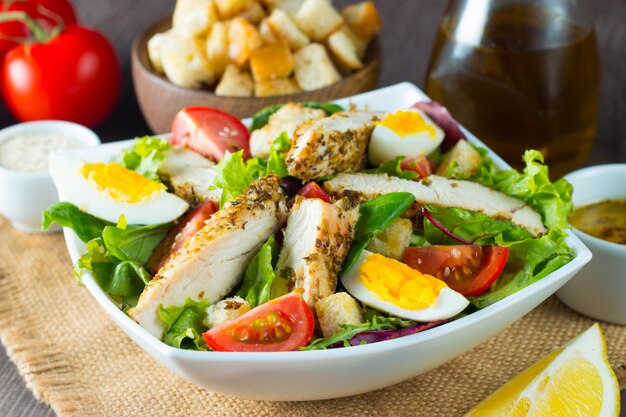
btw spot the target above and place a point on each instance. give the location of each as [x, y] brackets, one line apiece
[26, 188]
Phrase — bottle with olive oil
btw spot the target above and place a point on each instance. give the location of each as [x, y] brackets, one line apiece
[521, 74]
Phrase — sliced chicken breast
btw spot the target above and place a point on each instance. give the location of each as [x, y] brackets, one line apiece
[334, 144]
[287, 118]
[442, 192]
[317, 240]
[212, 262]
[190, 175]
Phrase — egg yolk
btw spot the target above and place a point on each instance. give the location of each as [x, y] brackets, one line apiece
[399, 284]
[404, 122]
[121, 184]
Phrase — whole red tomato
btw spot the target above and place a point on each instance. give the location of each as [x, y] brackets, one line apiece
[47, 13]
[75, 77]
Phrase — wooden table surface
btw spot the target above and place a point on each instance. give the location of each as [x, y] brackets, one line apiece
[407, 39]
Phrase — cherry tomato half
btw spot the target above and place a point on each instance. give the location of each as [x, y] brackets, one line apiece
[183, 231]
[282, 324]
[75, 77]
[312, 190]
[210, 132]
[467, 269]
[420, 165]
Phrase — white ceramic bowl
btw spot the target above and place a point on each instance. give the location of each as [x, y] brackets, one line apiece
[313, 375]
[599, 291]
[24, 195]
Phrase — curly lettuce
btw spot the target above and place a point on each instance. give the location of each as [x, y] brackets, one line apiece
[145, 156]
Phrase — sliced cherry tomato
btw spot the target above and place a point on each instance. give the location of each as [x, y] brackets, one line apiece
[312, 190]
[421, 165]
[467, 269]
[210, 132]
[182, 232]
[282, 324]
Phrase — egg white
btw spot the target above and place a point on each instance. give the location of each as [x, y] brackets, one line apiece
[448, 304]
[385, 144]
[163, 207]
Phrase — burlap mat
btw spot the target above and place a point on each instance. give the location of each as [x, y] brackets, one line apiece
[74, 358]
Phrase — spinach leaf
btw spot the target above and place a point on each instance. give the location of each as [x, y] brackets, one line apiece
[261, 118]
[183, 324]
[145, 156]
[134, 244]
[394, 169]
[260, 275]
[376, 216]
[86, 226]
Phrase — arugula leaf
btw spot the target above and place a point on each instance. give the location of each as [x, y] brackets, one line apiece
[183, 324]
[376, 216]
[394, 169]
[276, 162]
[145, 156]
[234, 175]
[134, 244]
[86, 226]
[260, 275]
[261, 118]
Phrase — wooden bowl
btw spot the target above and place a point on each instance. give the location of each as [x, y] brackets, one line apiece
[160, 100]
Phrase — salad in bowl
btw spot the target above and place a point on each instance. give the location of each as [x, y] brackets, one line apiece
[311, 227]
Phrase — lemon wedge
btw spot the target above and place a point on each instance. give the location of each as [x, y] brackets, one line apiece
[574, 381]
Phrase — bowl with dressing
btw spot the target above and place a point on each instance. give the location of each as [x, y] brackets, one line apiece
[599, 220]
[26, 188]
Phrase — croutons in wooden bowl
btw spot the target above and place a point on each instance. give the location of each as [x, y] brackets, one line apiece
[160, 99]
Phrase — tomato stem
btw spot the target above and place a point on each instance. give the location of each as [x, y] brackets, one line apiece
[40, 35]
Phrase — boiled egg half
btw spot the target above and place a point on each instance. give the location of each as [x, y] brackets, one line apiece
[109, 190]
[395, 288]
[408, 133]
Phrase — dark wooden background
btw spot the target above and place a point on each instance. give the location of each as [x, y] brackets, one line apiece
[407, 37]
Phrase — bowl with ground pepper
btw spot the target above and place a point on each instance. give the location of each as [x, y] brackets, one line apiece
[599, 220]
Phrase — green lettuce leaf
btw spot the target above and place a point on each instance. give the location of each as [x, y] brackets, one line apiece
[183, 324]
[234, 174]
[376, 216]
[276, 162]
[86, 226]
[134, 243]
[393, 168]
[262, 117]
[145, 156]
[259, 276]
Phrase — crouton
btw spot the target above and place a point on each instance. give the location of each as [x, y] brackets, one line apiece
[216, 47]
[313, 68]
[363, 19]
[267, 35]
[460, 162]
[194, 17]
[226, 310]
[254, 14]
[289, 6]
[344, 50]
[334, 310]
[392, 241]
[243, 38]
[318, 19]
[156, 44]
[184, 63]
[228, 9]
[271, 61]
[275, 87]
[284, 28]
[235, 83]
[359, 44]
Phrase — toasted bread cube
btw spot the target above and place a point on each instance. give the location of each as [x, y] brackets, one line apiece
[284, 28]
[226, 310]
[156, 44]
[235, 83]
[275, 87]
[216, 47]
[363, 19]
[243, 38]
[228, 9]
[289, 6]
[460, 162]
[271, 61]
[254, 14]
[318, 19]
[194, 17]
[359, 44]
[313, 68]
[185, 64]
[344, 50]
[392, 241]
[335, 310]
[266, 32]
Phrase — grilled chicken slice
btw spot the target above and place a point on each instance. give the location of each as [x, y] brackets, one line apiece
[212, 262]
[317, 240]
[287, 118]
[442, 192]
[334, 144]
[190, 175]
